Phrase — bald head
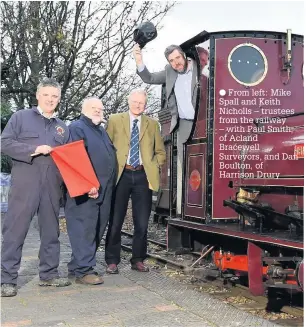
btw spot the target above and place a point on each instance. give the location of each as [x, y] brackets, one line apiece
[92, 108]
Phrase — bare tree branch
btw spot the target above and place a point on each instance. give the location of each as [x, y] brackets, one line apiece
[86, 46]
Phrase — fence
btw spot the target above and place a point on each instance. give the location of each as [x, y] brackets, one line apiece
[5, 188]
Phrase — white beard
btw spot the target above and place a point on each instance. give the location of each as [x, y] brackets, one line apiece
[97, 121]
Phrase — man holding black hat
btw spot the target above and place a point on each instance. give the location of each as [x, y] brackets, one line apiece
[180, 78]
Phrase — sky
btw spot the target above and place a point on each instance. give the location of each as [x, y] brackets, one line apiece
[189, 18]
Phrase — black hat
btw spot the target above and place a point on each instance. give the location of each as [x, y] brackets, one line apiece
[144, 33]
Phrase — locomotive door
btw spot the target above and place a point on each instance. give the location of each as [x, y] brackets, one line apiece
[166, 198]
[195, 202]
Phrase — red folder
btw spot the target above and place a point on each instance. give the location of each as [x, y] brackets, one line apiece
[75, 167]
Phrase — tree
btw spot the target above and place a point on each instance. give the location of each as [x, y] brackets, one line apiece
[86, 46]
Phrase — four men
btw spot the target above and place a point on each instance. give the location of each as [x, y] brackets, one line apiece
[140, 153]
[130, 151]
[28, 139]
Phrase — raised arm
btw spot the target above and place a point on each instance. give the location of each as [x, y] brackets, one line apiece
[157, 78]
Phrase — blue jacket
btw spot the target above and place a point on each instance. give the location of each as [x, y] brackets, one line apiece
[100, 149]
[26, 130]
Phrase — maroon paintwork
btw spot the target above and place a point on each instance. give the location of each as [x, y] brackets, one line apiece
[201, 121]
[198, 203]
[235, 233]
[279, 191]
[274, 50]
[301, 275]
[283, 144]
[195, 199]
[256, 285]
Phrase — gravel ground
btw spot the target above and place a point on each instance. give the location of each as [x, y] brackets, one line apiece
[155, 232]
[158, 233]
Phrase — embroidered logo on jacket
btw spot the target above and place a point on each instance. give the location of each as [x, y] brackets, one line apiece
[59, 130]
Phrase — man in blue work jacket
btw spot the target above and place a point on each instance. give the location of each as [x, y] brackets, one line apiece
[28, 138]
[87, 215]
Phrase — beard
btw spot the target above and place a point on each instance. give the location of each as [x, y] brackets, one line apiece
[97, 120]
[184, 69]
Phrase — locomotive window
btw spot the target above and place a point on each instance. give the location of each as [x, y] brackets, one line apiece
[247, 64]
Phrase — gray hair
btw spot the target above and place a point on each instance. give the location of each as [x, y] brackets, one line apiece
[49, 82]
[171, 48]
[142, 91]
[89, 99]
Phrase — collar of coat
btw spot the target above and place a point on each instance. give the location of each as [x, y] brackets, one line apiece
[125, 119]
[172, 76]
[39, 112]
[89, 122]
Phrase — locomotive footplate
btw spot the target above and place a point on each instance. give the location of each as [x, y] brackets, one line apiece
[265, 216]
[181, 230]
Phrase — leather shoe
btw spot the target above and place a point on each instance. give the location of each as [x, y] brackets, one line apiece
[91, 279]
[58, 282]
[8, 290]
[112, 269]
[139, 266]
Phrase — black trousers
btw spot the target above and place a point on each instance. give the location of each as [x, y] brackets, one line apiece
[134, 184]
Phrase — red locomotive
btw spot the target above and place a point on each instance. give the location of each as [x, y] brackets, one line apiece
[243, 173]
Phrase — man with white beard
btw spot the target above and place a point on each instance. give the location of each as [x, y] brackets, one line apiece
[87, 215]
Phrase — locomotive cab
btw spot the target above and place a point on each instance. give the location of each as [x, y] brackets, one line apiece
[243, 162]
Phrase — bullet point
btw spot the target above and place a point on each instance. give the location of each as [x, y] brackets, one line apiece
[222, 92]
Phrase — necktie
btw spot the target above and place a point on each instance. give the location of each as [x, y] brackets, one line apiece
[134, 150]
